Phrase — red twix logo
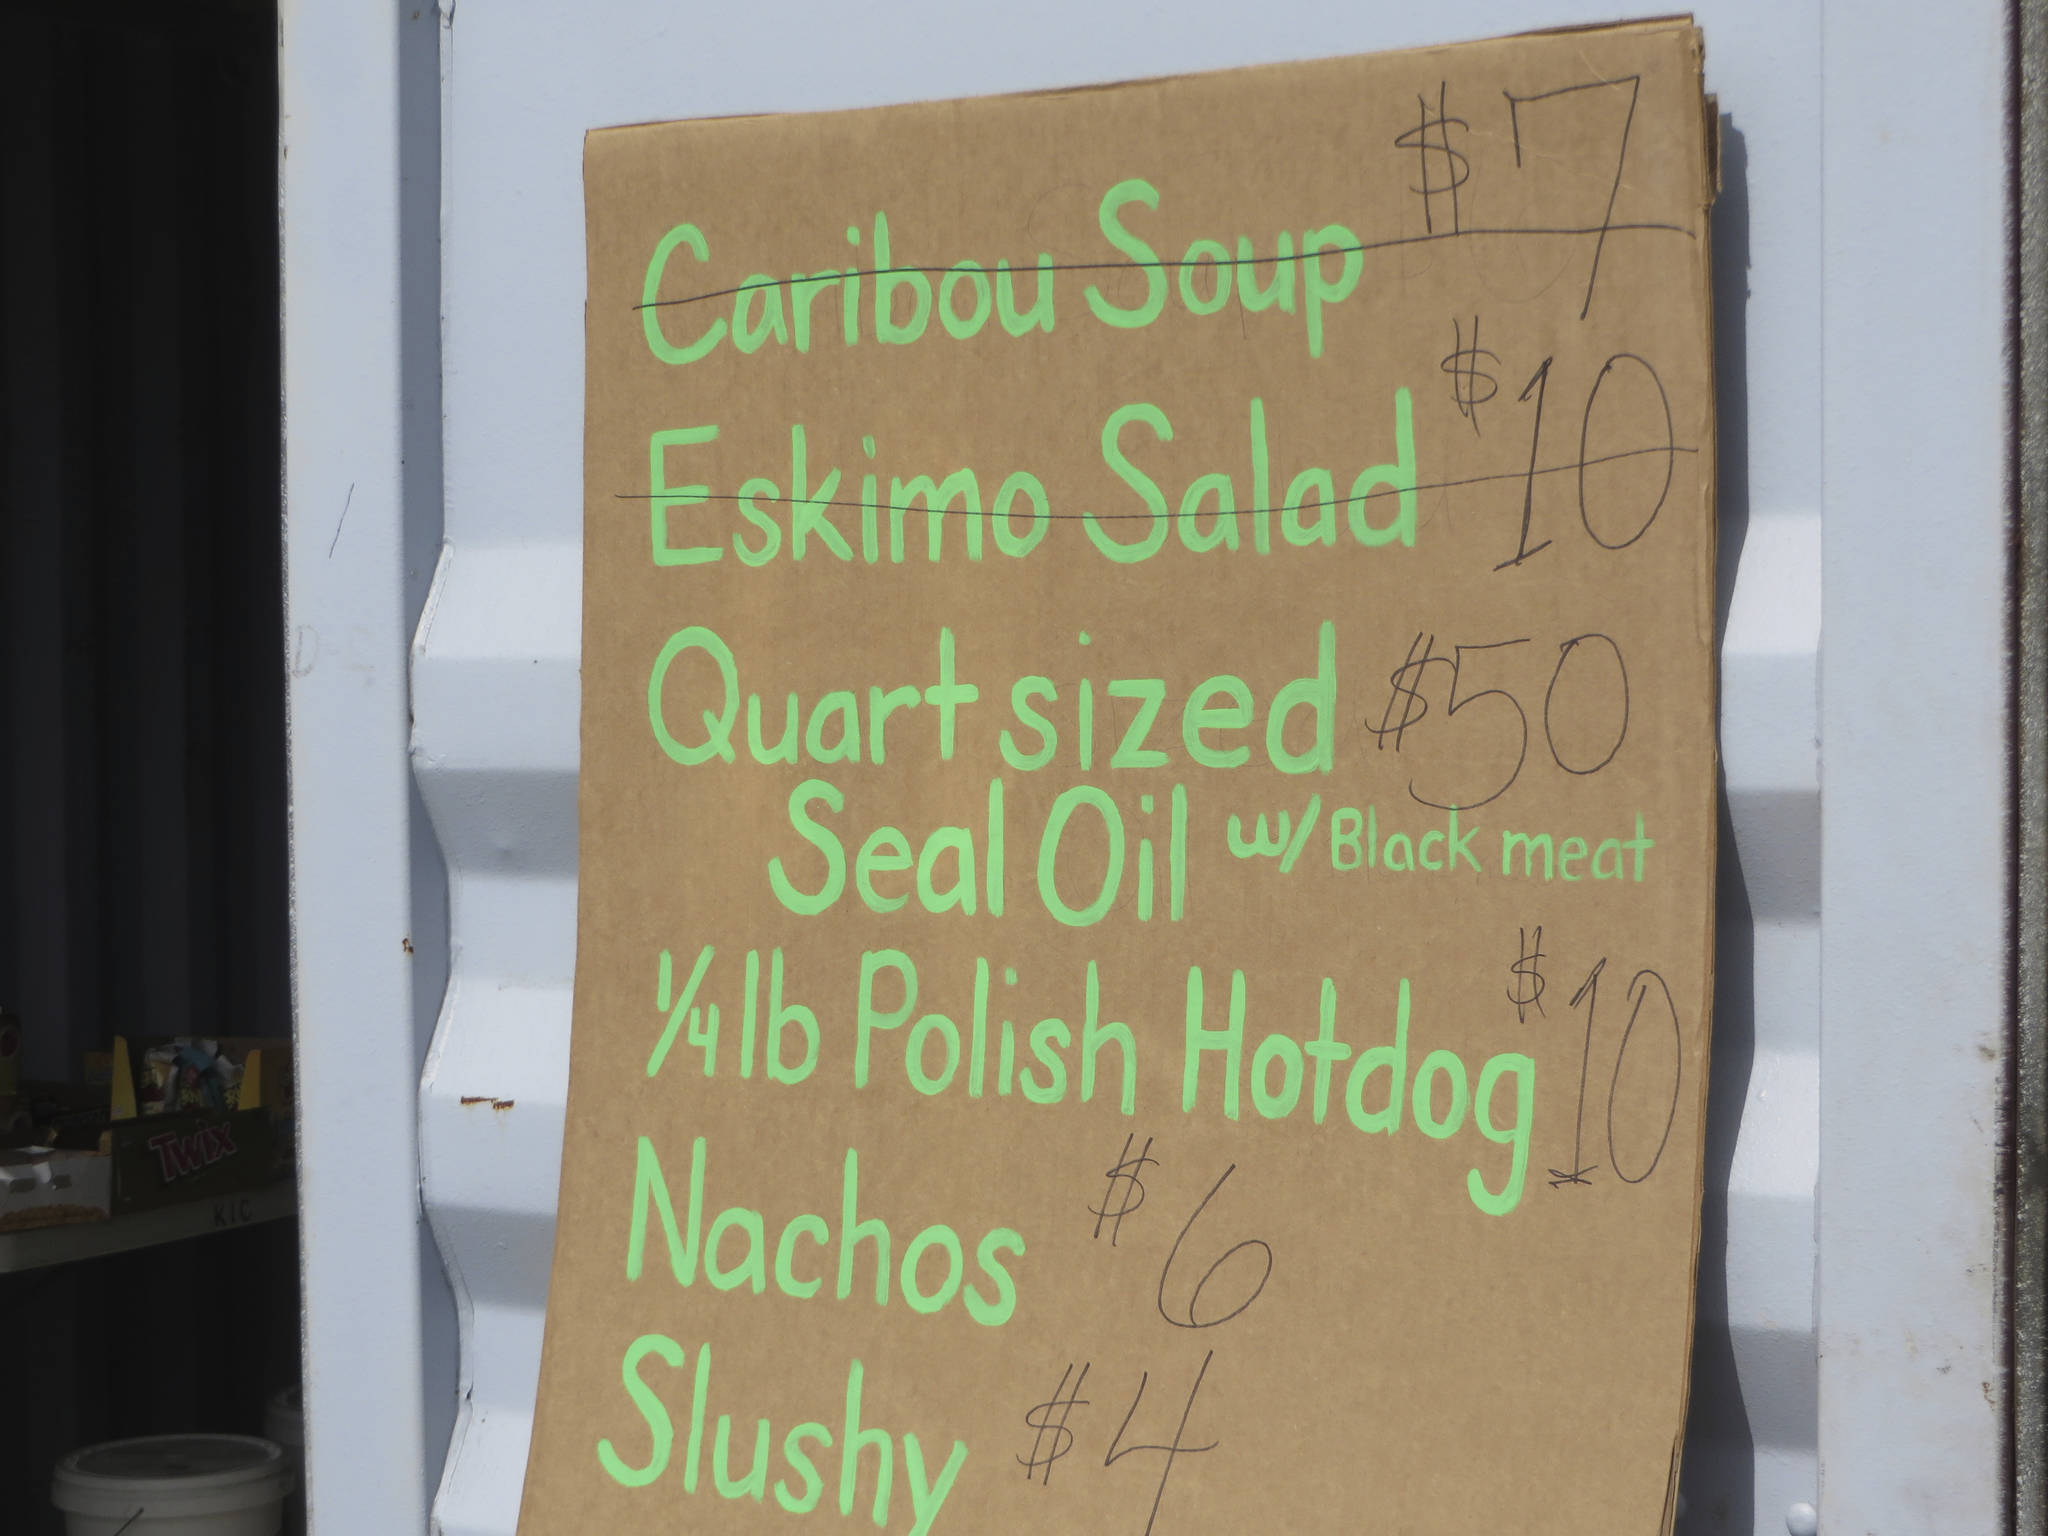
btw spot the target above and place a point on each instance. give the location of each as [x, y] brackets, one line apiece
[177, 1156]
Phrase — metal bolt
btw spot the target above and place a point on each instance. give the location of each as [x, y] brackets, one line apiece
[1802, 1519]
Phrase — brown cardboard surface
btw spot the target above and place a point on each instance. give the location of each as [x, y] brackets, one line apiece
[1300, 837]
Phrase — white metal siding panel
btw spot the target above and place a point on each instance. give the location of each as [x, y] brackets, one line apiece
[495, 661]
[1916, 872]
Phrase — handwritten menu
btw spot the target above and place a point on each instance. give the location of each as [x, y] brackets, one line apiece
[1147, 808]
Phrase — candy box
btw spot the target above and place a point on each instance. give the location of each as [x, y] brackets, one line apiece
[47, 1187]
[192, 1155]
[193, 1118]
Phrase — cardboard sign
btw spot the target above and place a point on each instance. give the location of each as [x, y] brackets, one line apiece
[1147, 808]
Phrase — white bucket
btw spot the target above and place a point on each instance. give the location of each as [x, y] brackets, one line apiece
[174, 1485]
[284, 1421]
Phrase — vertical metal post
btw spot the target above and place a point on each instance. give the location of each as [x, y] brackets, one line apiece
[343, 153]
[2027, 1130]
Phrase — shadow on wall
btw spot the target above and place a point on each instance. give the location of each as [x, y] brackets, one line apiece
[1719, 1481]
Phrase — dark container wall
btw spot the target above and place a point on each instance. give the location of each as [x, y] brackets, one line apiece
[142, 761]
[142, 696]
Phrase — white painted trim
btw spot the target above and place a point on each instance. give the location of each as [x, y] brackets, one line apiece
[360, 1227]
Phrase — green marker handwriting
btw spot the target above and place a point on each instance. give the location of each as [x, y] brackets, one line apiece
[652, 1390]
[820, 510]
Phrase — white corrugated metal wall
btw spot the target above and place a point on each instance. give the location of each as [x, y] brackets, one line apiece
[1834, 345]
